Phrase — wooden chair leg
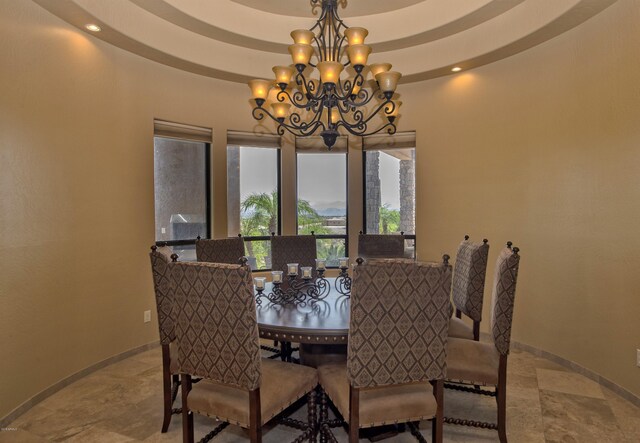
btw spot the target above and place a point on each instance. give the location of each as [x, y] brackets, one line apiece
[255, 425]
[166, 388]
[476, 330]
[458, 313]
[354, 414]
[501, 398]
[312, 416]
[438, 420]
[324, 414]
[187, 416]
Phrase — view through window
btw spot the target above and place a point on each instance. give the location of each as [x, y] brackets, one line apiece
[322, 201]
[181, 185]
[390, 197]
[253, 199]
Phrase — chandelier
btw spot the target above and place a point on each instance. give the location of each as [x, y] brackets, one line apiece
[330, 102]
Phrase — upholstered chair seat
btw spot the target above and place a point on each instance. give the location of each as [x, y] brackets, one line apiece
[485, 364]
[396, 355]
[282, 385]
[472, 361]
[380, 405]
[468, 287]
[459, 329]
[216, 332]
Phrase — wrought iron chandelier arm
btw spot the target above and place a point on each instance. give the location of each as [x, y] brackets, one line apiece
[297, 99]
[361, 129]
[348, 87]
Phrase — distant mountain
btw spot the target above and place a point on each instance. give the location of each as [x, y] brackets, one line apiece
[332, 212]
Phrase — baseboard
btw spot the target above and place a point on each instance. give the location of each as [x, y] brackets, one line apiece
[40, 396]
[592, 375]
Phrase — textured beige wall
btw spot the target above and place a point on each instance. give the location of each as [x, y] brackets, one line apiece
[540, 148]
[543, 149]
[76, 192]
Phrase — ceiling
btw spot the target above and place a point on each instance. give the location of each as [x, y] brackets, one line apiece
[238, 40]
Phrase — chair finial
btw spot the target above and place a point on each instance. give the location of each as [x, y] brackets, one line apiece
[273, 234]
[445, 259]
[509, 244]
[174, 257]
[485, 241]
[359, 260]
[313, 232]
[198, 238]
[401, 232]
[466, 237]
[361, 233]
[243, 261]
[154, 247]
[516, 250]
[240, 235]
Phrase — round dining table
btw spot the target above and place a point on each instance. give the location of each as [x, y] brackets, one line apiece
[321, 327]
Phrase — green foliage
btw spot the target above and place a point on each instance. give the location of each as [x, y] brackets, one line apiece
[389, 220]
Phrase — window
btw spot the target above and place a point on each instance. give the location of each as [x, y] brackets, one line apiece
[322, 197]
[253, 193]
[390, 185]
[181, 187]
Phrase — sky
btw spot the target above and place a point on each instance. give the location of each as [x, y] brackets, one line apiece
[322, 178]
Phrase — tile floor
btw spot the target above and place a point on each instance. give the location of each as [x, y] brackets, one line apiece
[123, 403]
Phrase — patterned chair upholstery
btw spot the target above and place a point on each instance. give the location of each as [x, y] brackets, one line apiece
[224, 250]
[380, 246]
[478, 363]
[217, 337]
[160, 260]
[469, 274]
[301, 249]
[397, 345]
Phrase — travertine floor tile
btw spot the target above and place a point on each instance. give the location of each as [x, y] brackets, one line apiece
[568, 382]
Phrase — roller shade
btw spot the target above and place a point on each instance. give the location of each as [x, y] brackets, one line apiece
[237, 138]
[400, 140]
[163, 128]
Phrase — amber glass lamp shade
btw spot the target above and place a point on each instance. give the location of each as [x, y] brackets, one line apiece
[358, 54]
[377, 68]
[260, 88]
[355, 36]
[302, 36]
[330, 71]
[283, 74]
[335, 115]
[280, 110]
[301, 54]
[388, 81]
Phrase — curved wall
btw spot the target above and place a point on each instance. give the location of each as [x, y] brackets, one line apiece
[540, 148]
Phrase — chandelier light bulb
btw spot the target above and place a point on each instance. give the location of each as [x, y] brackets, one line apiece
[260, 88]
[377, 68]
[280, 110]
[300, 53]
[283, 74]
[355, 36]
[388, 81]
[330, 71]
[395, 112]
[302, 36]
[358, 54]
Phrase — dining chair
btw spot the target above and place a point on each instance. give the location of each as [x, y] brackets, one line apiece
[217, 337]
[160, 260]
[380, 245]
[301, 249]
[485, 364]
[223, 250]
[396, 360]
[469, 274]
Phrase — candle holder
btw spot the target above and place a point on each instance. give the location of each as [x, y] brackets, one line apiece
[343, 281]
[299, 290]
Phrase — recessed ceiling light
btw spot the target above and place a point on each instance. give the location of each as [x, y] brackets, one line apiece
[456, 69]
[93, 28]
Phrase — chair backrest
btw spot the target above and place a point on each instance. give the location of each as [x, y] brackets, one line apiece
[380, 246]
[160, 259]
[224, 250]
[216, 326]
[399, 323]
[299, 249]
[504, 290]
[469, 273]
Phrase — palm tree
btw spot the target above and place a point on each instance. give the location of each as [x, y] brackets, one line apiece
[389, 219]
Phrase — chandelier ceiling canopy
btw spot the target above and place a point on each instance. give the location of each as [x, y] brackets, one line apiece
[337, 97]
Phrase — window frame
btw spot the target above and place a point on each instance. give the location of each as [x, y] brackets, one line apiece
[208, 193]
